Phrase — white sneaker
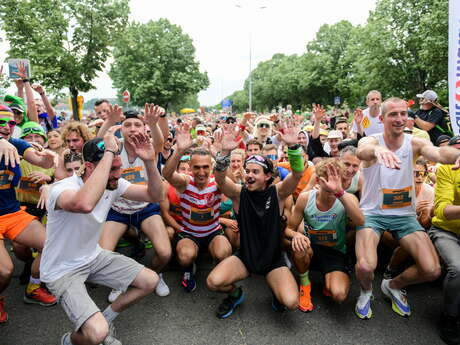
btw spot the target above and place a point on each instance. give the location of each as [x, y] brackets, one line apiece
[363, 308]
[398, 299]
[113, 295]
[162, 289]
[110, 339]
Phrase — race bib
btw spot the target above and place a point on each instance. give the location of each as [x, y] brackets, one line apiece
[323, 237]
[201, 215]
[134, 175]
[6, 177]
[27, 186]
[396, 198]
[366, 122]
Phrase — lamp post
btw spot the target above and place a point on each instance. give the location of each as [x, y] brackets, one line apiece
[250, 56]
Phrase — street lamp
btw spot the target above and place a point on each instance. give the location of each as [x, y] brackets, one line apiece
[250, 55]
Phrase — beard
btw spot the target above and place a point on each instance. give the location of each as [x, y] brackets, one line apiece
[112, 184]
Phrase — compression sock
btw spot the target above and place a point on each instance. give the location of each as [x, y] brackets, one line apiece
[109, 314]
[304, 279]
[34, 283]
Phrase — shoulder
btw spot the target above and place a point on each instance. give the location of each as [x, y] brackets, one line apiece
[303, 198]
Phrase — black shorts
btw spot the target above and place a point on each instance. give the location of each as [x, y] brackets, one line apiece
[327, 260]
[201, 242]
[281, 262]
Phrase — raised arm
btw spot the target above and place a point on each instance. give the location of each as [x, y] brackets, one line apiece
[85, 199]
[151, 118]
[318, 113]
[370, 152]
[184, 141]
[114, 115]
[49, 109]
[444, 155]
[145, 151]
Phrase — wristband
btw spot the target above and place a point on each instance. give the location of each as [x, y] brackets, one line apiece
[163, 116]
[242, 127]
[339, 194]
[114, 153]
[222, 163]
[25, 80]
[295, 157]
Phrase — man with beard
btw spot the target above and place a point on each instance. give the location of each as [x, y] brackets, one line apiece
[258, 207]
[77, 208]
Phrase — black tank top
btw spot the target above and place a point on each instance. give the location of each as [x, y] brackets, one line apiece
[260, 229]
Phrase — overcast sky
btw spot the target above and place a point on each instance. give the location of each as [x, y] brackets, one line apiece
[220, 32]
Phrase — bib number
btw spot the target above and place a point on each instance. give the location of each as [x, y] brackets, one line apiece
[134, 175]
[323, 237]
[396, 198]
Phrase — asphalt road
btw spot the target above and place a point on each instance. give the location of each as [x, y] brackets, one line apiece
[183, 318]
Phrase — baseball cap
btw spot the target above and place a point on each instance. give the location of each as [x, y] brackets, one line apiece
[442, 139]
[230, 119]
[17, 106]
[341, 120]
[131, 114]
[94, 149]
[429, 95]
[32, 127]
[454, 140]
[335, 135]
[4, 110]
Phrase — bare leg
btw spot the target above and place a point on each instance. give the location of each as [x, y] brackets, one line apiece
[225, 274]
[220, 248]
[366, 257]
[338, 284]
[155, 230]
[284, 287]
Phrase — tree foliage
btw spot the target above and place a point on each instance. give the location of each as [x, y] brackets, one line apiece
[402, 50]
[66, 41]
[156, 63]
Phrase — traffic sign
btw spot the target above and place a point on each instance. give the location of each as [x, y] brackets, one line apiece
[126, 96]
[337, 100]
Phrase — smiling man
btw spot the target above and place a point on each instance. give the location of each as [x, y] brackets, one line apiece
[388, 203]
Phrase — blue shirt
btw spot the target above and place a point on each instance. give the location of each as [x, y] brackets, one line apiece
[282, 172]
[9, 178]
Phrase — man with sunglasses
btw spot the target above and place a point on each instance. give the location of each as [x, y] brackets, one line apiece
[77, 209]
[15, 223]
[388, 203]
[258, 206]
[144, 216]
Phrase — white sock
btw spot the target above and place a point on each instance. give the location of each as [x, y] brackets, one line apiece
[33, 280]
[109, 314]
[366, 292]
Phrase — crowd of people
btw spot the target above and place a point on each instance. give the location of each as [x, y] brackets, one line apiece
[277, 195]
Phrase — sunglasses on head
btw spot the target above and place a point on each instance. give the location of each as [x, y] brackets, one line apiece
[257, 159]
[185, 158]
[272, 157]
[7, 121]
[32, 130]
[97, 156]
[263, 125]
[419, 173]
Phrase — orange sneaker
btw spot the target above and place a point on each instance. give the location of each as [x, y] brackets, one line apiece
[3, 313]
[305, 303]
[41, 296]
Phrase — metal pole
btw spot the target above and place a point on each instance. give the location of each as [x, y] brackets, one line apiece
[250, 71]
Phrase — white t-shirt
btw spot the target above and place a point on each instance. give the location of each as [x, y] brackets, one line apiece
[72, 238]
[371, 125]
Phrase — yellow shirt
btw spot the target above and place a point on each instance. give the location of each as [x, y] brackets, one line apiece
[420, 133]
[447, 192]
[27, 191]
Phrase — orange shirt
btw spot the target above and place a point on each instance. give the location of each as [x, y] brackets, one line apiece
[303, 181]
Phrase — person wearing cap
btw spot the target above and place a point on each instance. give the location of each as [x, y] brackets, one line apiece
[142, 215]
[431, 116]
[334, 137]
[388, 201]
[77, 209]
[15, 223]
[442, 140]
[368, 122]
[258, 206]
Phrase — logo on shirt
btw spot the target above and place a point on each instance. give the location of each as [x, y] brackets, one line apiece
[325, 218]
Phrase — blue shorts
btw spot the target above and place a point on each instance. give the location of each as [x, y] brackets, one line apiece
[398, 226]
[134, 219]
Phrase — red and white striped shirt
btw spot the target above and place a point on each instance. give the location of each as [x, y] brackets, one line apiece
[200, 209]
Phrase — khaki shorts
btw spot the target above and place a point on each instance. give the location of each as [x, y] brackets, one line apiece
[108, 268]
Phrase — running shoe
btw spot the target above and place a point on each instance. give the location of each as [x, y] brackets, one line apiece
[3, 313]
[305, 303]
[363, 306]
[276, 305]
[398, 299]
[65, 340]
[229, 304]
[113, 295]
[41, 296]
[188, 281]
[110, 338]
[449, 329]
[162, 289]
[390, 273]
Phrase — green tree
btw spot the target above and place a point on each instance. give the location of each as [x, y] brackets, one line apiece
[156, 63]
[66, 41]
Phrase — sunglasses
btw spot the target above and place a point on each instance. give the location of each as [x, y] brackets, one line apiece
[97, 156]
[185, 158]
[7, 121]
[200, 132]
[272, 157]
[170, 139]
[263, 125]
[230, 121]
[32, 130]
[419, 173]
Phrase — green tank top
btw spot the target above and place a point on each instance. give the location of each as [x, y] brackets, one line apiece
[326, 228]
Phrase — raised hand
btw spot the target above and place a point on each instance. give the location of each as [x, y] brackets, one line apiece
[110, 141]
[333, 184]
[38, 88]
[50, 156]
[288, 133]
[318, 112]
[22, 71]
[115, 114]
[152, 114]
[229, 141]
[391, 161]
[44, 193]
[183, 137]
[143, 146]
[358, 116]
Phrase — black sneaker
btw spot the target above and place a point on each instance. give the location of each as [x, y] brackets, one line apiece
[276, 305]
[449, 329]
[229, 304]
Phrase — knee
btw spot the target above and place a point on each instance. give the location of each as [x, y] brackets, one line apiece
[96, 331]
[185, 255]
[164, 254]
[148, 282]
[339, 295]
[223, 252]
[6, 271]
[364, 266]
[212, 282]
[431, 273]
[291, 302]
